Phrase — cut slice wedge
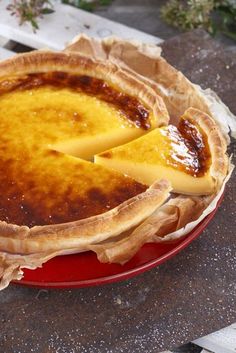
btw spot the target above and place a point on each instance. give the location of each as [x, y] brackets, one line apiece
[191, 156]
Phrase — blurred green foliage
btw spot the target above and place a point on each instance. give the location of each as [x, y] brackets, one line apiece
[30, 10]
[212, 15]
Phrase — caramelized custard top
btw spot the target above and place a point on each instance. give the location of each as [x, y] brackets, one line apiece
[129, 106]
[40, 185]
[198, 148]
[185, 148]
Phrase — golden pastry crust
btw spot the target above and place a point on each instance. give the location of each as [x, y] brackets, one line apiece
[217, 144]
[80, 234]
[23, 247]
[158, 85]
[129, 83]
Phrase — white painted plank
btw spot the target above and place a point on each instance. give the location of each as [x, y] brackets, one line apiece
[5, 53]
[59, 28]
[7, 43]
[3, 41]
[223, 341]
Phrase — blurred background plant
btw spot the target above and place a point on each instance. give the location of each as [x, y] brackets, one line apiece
[88, 5]
[31, 10]
[213, 15]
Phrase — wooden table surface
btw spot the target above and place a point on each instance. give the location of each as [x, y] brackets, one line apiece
[189, 296]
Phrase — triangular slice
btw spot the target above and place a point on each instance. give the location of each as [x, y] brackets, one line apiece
[191, 156]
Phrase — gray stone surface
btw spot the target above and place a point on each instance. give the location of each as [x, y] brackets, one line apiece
[206, 62]
[145, 15]
[141, 14]
[187, 297]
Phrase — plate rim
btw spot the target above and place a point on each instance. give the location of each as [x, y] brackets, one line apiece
[196, 232]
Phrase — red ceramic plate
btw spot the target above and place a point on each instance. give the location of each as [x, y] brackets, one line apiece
[83, 270]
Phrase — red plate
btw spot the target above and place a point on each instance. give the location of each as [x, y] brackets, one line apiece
[83, 270]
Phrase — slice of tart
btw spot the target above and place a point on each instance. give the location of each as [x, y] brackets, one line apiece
[191, 156]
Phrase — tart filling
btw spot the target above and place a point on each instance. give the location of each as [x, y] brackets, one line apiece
[180, 154]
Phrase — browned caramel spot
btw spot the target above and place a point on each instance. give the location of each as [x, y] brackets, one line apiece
[184, 148]
[198, 148]
[107, 154]
[129, 106]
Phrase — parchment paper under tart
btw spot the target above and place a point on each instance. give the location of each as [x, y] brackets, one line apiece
[172, 220]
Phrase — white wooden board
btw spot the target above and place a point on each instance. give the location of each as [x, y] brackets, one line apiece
[223, 341]
[5, 53]
[3, 41]
[56, 30]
